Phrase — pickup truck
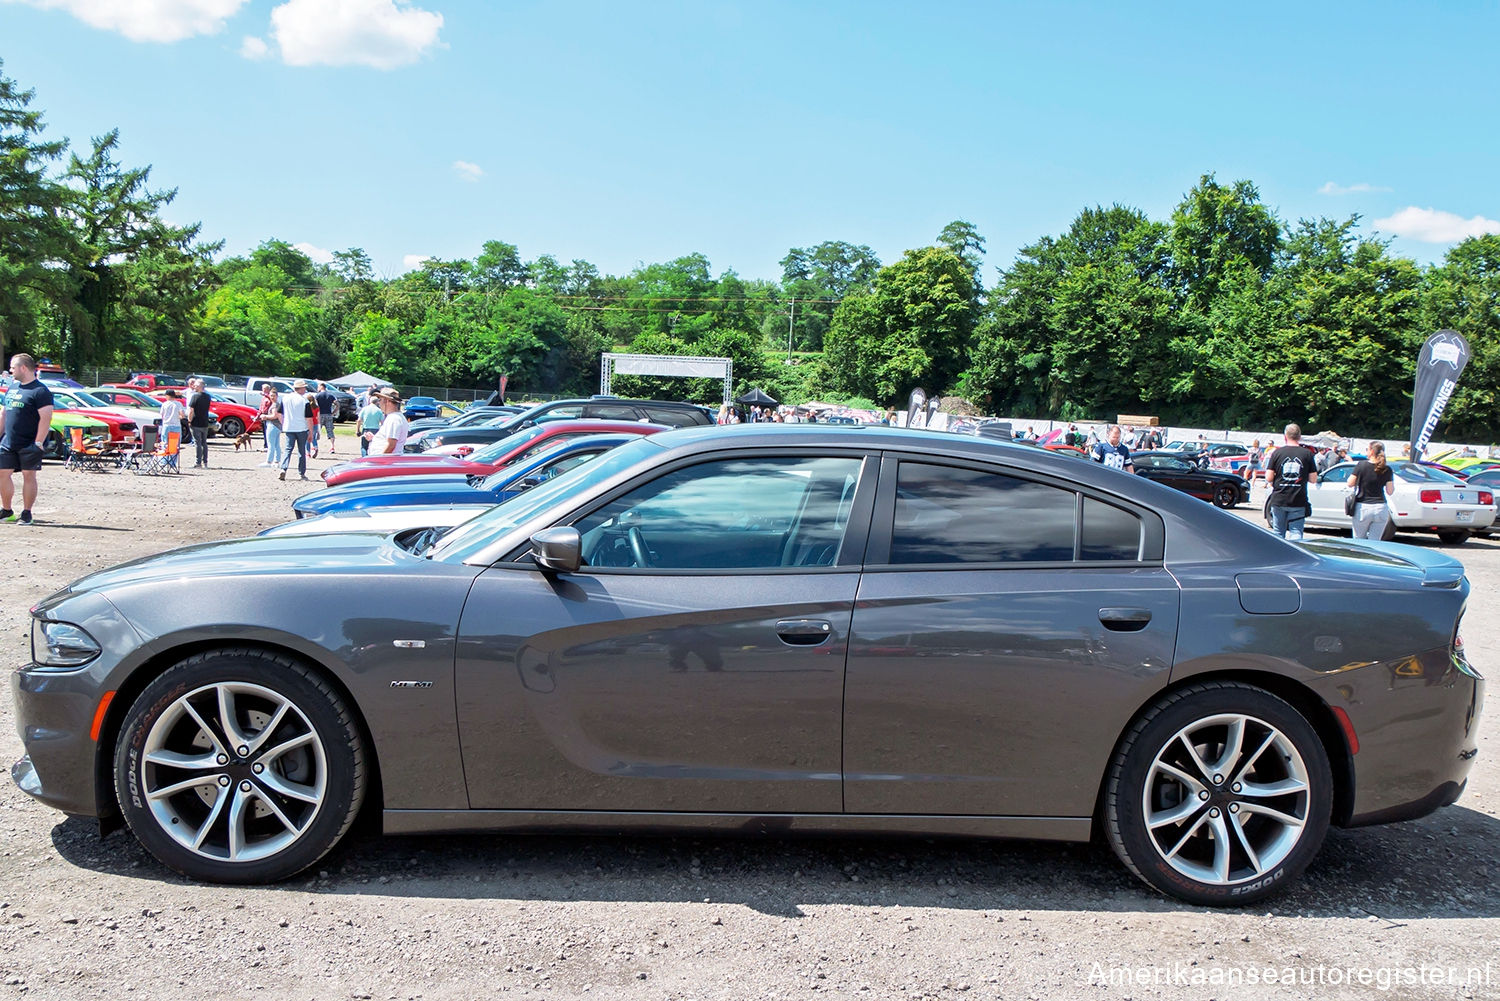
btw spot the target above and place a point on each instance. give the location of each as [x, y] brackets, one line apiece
[247, 391]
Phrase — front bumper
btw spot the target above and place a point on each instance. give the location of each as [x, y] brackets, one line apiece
[55, 714]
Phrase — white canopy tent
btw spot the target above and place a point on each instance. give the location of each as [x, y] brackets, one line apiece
[358, 380]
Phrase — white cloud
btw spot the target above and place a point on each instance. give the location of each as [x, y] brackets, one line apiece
[379, 33]
[254, 48]
[468, 171]
[1354, 189]
[1433, 226]
[414, 261]
[147, 20]
[317, 254]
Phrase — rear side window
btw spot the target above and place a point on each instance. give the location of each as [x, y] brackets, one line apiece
[1109, 532]
[676, 417]
[949, 515]
[612, 412]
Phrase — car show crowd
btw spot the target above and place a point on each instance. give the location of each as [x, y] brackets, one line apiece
[146, 425]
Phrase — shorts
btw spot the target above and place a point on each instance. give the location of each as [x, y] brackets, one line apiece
[27, 458]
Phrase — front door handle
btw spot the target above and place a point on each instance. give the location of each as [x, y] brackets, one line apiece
[804, 632]
[1124, 620]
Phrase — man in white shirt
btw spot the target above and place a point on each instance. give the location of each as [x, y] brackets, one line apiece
[294, 428]
[390, 439]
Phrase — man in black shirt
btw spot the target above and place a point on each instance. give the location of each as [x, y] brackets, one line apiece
[1289, 470]
[26, 419]
[328, 411]
[198, 419]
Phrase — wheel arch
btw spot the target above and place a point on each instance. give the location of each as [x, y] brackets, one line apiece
[152, 668]
[1318, 714]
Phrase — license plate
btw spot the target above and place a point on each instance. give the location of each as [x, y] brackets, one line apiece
[1464, 515]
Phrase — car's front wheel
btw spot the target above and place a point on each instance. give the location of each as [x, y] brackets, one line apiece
[1226, 496]
[239, 766]
[1219, 794]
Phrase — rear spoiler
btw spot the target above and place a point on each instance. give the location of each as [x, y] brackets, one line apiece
[1438, 569]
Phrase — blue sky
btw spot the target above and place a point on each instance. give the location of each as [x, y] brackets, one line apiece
[627, 133]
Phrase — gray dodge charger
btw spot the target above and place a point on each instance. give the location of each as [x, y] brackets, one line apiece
[770, 628]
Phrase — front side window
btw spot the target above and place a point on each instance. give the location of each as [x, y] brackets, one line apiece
[732, 514]
[950, 515]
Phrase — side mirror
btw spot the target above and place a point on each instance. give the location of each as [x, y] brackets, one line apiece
[534, 480]
[558, 549]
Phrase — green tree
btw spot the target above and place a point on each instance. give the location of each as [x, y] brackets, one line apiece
[913, 330]
[116, 219]
[34, 238]
[962, 239]
[1216, 229]
[1463, 294]
[816, 279]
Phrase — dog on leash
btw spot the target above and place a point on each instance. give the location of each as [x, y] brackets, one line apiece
[245, 441]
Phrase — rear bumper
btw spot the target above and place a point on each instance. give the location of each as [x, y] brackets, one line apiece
[1419, 516]
[1417, 747]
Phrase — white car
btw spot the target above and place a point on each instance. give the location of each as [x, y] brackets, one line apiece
[1425, 500]
[383, 520]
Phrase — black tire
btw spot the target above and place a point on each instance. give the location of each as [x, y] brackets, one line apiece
[1454, 537]
[1388, 533]
[1226, 496]
[1266, 511]
[1193, 711]
[231, 427]
[55, 446]
[283, 832]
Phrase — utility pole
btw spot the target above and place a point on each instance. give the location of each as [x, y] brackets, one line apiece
[791, 319]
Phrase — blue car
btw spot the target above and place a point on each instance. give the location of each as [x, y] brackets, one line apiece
[459, 490]
[420, 406]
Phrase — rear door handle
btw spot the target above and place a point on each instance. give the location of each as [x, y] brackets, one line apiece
[1124, 620]
[804, 632]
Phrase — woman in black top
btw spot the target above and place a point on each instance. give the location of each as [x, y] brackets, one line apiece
[1373, 482]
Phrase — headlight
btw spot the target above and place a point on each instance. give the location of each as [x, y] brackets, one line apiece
[62, 644]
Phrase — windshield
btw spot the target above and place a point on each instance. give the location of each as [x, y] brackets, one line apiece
[498, 450]
[477, 533]
[1413, 473]
[138, 400]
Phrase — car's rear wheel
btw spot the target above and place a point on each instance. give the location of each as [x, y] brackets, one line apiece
[1226, 496]
[232, 427]
[1454, 537]
[239, 766]
[1218, 794]
[1388, 533]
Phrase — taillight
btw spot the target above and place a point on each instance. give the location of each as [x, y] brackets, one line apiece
[1485, 497]
[1432, 497]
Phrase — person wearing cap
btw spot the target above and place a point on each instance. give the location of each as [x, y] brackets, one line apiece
[390, 438]
[296, 408]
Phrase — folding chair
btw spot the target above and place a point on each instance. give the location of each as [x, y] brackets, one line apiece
[130, 458]
[162, 460]
[84, 454]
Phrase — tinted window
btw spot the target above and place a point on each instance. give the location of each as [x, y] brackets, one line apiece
[1109, 533]
[735, 514]
[561, 410]
[948, 515]
[676, 417]
[611, 412]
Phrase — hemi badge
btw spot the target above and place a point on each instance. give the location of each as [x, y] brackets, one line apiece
[411, 684]
[409, 644]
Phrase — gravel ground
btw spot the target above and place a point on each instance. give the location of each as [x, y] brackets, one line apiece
[463, 917]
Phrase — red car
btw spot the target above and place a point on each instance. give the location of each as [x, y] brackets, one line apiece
[486, 460]
[234, 418]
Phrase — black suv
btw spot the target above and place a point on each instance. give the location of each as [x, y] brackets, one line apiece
[606, 408]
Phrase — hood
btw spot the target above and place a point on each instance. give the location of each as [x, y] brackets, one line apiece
[247, 557]
[393, 490]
